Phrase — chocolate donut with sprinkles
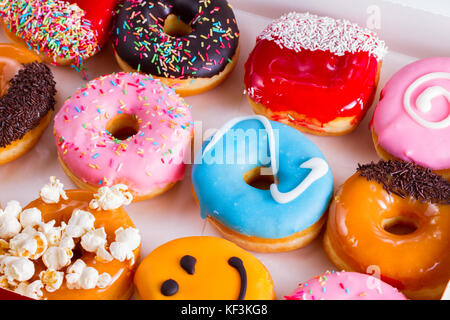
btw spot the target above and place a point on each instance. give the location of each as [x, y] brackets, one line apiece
[191, 45]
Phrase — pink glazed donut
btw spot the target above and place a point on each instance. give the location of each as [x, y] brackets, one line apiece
[345, 286]
[412, 119]
[124, 128]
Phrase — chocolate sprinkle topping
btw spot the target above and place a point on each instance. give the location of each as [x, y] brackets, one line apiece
[29, 98]
[408, 179]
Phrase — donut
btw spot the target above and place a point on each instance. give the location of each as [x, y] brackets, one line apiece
[69, 245]
[345, 286]
[316, 74]
[27, 100]
[262, 184]
[411, 121]
[189, 44]
[202, 268]
[395, 216]
[124, 128]
[61, 32]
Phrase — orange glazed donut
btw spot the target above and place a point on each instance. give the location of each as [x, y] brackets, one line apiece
[394, 216]
[69, 245]
[27, 91]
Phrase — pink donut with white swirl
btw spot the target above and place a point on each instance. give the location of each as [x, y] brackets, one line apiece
[345, 286]
[124, 128]
[412, 119]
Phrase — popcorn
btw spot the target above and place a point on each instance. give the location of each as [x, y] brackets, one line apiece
[127, 240]
[32, 290]
[111, 198]
[52, 233]
[30, 217]
[95, 241]
[9, 225]
[28, 244]
[79, 276]
[51, 192]
[51, 279]
[57, 258]
[80, 223]
[16, 268]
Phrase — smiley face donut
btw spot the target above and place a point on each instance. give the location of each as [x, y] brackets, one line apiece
[61, 32]
[124, 129]
[393, 215]
[314, 73]
[27, 100]
[69, 245]
[191, 45]
[345, 286]
[412, 120]
[263, 185]
[205, 268]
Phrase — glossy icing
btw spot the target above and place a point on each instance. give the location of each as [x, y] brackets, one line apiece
[299, 69]
[202, 53]
[251, 211]
[219, 272]
[111, 220]
[149, 159]
[345, 286]
[412, 118]
[357, 235]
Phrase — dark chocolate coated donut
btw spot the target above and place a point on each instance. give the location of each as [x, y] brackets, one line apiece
[140, 41]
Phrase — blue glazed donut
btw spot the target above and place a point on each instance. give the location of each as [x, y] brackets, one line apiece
[285, 217]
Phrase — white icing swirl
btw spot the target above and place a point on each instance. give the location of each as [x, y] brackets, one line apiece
[423, 101]
[318, 166]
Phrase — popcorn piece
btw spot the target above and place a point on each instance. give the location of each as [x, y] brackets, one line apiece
[16, 268]
[9, 225]
[32, 290]
[80, 222]
[52, 191]
[52, 233]
[79, 276]
[28, 244]
[127, 240]
[30, 217]
[57, 258]
[95, 241]
[111, 198]
[51, 279]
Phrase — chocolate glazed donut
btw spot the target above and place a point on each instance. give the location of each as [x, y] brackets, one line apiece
[211, 42]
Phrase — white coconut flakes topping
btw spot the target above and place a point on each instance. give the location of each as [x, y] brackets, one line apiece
[305, 31]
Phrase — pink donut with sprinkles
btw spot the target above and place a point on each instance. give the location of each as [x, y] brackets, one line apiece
[124, 128]
[345, 286]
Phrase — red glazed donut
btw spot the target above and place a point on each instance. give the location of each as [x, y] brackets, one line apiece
[314, 73]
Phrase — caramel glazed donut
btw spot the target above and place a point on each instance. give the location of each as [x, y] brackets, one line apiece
[69, 245]
[190, 45]
[27, 101]
[395, 216]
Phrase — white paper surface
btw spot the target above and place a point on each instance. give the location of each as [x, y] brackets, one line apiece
[175, 213]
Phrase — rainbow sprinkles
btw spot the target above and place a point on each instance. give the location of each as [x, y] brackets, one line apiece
[57, 29]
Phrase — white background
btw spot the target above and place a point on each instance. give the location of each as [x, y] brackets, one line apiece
[409, 33]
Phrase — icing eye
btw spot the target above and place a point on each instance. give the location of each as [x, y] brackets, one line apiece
[188, 264]
[169, 287]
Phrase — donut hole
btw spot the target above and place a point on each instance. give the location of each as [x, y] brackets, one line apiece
[401, 225]
[123, 126]
[259, 178]
[175, 27]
